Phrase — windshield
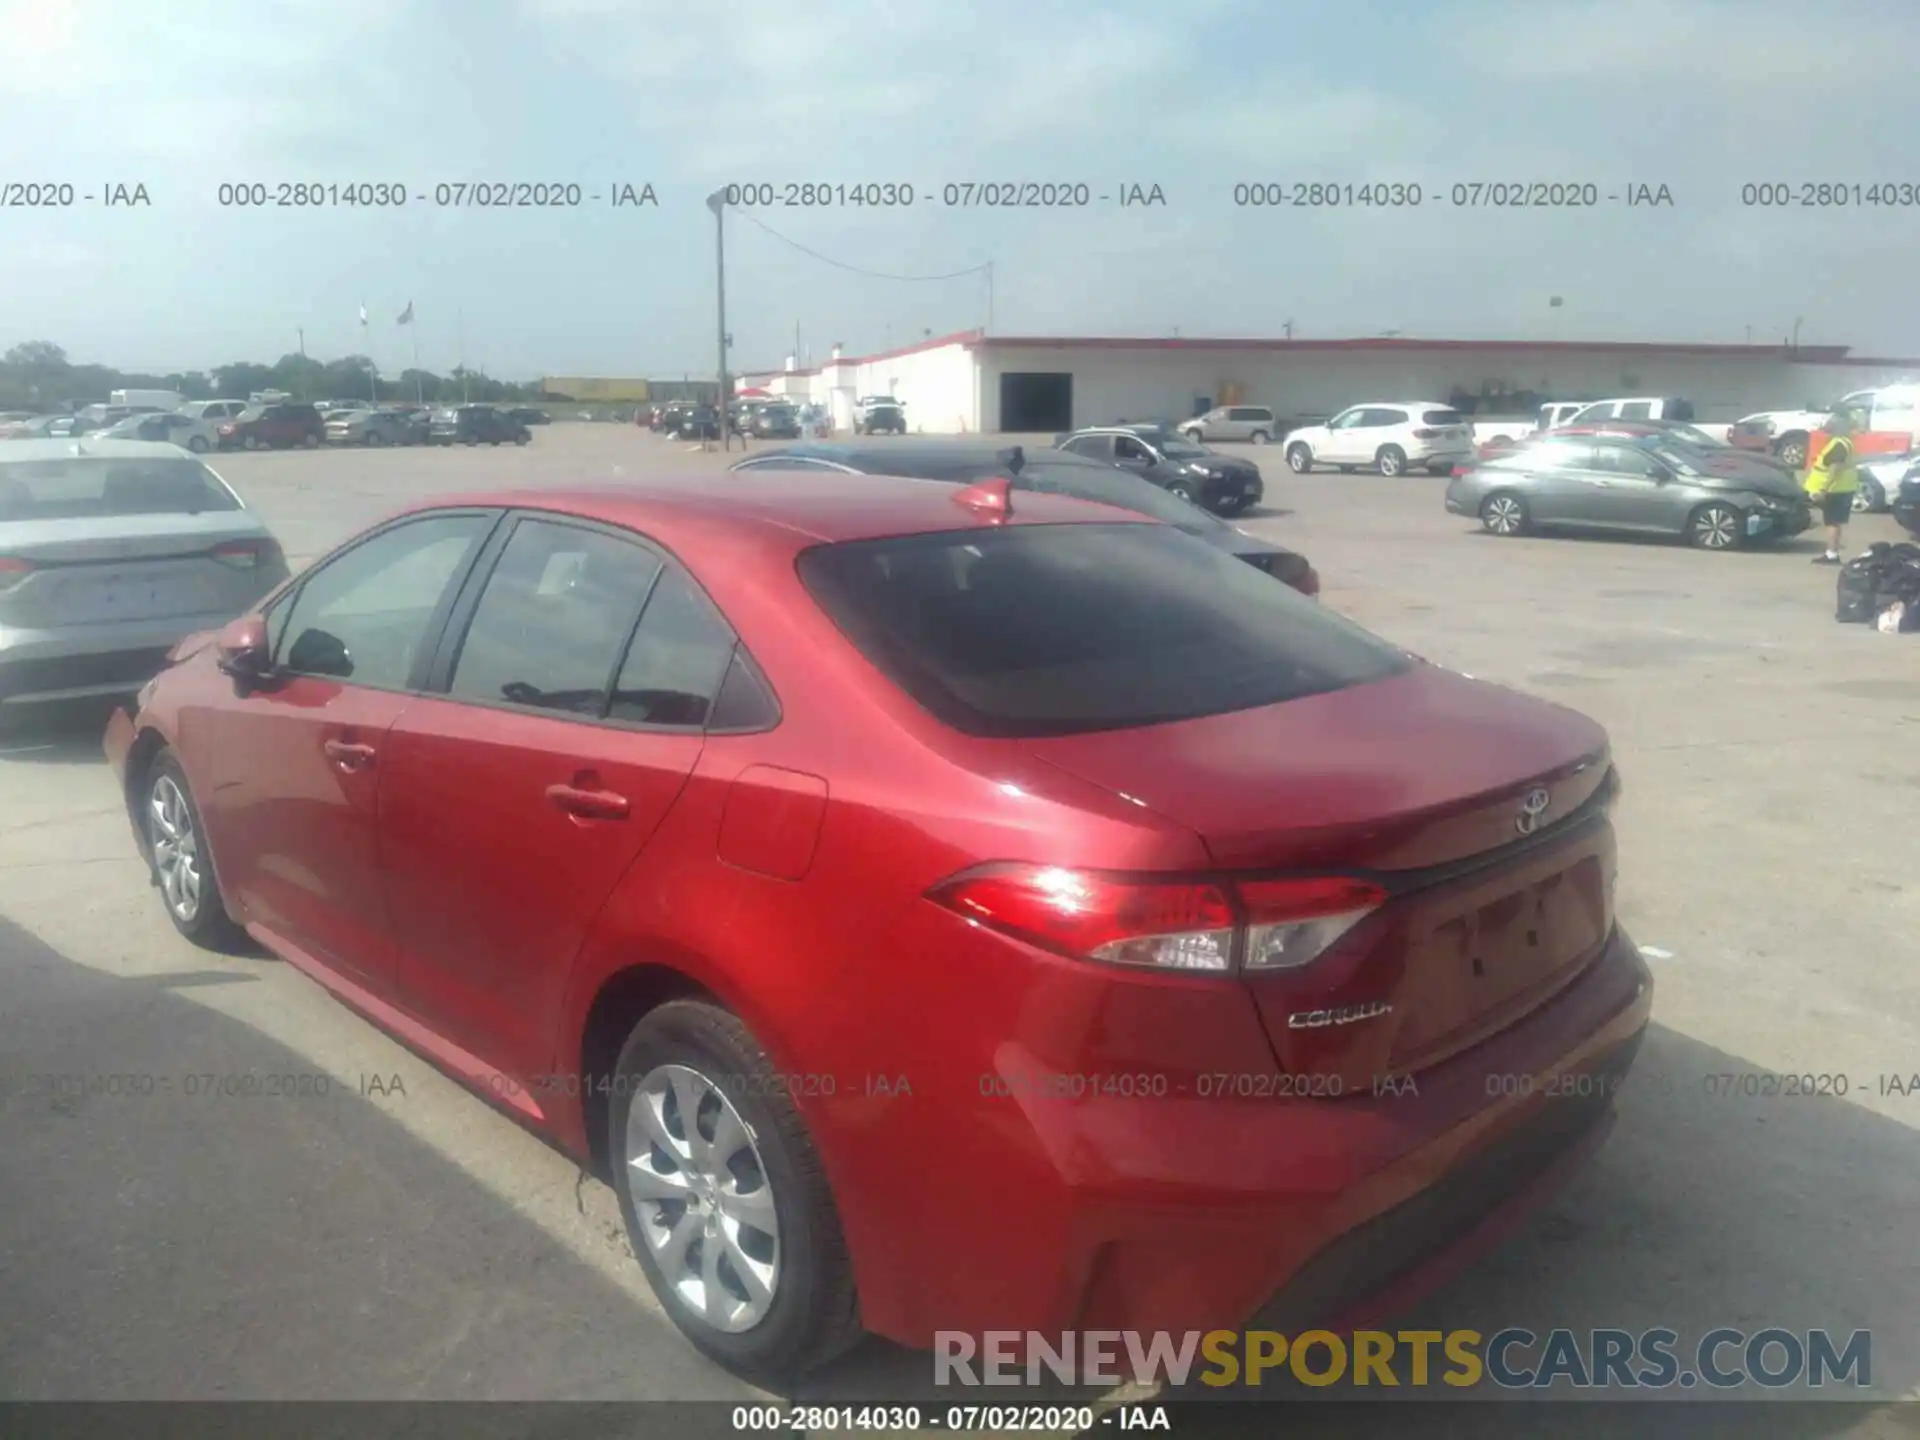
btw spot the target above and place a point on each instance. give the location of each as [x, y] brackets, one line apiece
[253, 412]
[92, 488]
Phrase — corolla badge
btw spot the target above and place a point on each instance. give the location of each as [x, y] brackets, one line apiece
[1533, 810]
[1340, 1015]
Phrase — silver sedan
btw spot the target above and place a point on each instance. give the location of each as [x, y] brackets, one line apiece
[111, 553]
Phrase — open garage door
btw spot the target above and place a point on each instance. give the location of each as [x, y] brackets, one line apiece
[1033, 402]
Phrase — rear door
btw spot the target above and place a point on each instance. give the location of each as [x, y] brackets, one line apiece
[521, 792]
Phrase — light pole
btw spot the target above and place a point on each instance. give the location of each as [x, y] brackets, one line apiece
[717, 202]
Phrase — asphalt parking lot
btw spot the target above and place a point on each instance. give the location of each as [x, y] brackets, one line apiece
[396, 1238]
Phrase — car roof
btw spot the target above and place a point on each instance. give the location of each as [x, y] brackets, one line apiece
[86, 447]
[1404, 404]
[779, 510]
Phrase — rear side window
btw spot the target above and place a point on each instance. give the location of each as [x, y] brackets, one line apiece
[1442, 417]
[1636, 410]
[1249, 412]
[100, 488]
[1062, 629]
[679, 657]
[550, 625]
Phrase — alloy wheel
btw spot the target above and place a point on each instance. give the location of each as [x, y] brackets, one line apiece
[176, 848]
[1716, 528]
[1867, 499]
[704, 1201]
[1505, 515]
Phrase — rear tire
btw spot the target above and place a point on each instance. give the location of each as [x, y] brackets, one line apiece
[1792, 451]
[1505, 514]
[180, 860]
[1716, 526]
[1870, 498]
[312, 441]
[375, 438]
[1299, 459]
[1392, 461]
[1259, 437]
[197, 444]
[1183, 492]
[779, 1281]
[250, 443]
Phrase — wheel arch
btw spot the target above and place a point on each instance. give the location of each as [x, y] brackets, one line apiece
[622, 1000]
[145, 749]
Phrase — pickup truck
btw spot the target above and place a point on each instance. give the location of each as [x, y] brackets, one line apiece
[1889, 418]
[1503, 434]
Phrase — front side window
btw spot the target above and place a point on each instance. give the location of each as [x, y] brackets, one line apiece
[364, 616]
[552, 619]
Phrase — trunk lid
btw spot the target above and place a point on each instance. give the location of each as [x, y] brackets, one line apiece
[1428, 782]
[149, 567]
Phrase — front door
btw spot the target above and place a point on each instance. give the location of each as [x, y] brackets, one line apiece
[1626, 490]
[519, 797]
[1345, 437]
[301, 761]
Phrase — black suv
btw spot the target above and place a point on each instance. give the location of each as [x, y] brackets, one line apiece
[776, 422]
[881, 420]
[1906, 502]
[695, 422]
[1203, 477]
[476, 425]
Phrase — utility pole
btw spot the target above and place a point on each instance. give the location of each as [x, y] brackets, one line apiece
[717, 202]
[989, 296]
[303, 344]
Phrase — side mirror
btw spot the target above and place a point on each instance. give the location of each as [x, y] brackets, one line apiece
[1662, 475]
[242, 648]
[318, 653]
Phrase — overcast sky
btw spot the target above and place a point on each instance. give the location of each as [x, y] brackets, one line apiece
[1194, 96]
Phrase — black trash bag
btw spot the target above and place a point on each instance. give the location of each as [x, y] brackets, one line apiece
[1857, 589]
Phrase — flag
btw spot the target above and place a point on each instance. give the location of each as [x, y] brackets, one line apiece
[363, 314]
[406, 315]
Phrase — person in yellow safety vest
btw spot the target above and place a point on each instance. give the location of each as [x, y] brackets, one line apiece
[1832, 478]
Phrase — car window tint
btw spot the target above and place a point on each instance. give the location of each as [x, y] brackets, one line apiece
[1636, 410]
[550, 624]
[1125, 447]
[1059, 629]
[1115, 487]
[1442, 417]
[363, 616]
[1623, 460]
[678, 657]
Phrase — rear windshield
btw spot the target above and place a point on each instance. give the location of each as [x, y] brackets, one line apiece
[81, 489]
[1443, 417]
[1062, 629]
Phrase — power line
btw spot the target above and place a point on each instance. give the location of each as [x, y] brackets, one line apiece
[857, 269]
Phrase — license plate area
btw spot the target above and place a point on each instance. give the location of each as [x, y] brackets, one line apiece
[104, 597]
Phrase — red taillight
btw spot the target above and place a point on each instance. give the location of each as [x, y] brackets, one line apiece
[1179, 925]
[245, 554]
[13, 570]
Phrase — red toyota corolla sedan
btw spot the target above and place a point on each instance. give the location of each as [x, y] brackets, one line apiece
[930, 915]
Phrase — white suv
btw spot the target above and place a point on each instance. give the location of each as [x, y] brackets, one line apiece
[1384, 435]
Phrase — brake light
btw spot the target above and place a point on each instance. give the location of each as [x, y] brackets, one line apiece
[1166, 925]
[1292, 922]
[245, 554]
[13, 570]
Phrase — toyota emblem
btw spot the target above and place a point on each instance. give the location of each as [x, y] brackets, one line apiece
[1533, 810]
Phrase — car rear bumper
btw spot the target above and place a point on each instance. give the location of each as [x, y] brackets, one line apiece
[1183, 1211]
[82, 662]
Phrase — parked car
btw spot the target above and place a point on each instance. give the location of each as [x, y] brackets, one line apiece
[476, 425]
[1880, 481]
[1253, 423]
[167, 429]
[1675, 430]
[1492, 435]
[777, 422]
[1390, 436]
[43, 427]
[1636, 407]
[697, 422]
[1053, 472]
[1183, 468]
[109, 558]
[212, 411]
[1715, 499]
[277, 426]
[687, 792]
[527, 415]
[373, 428]
[881, 419]
[1906, 502]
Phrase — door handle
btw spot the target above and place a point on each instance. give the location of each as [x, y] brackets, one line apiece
[348, 753]
[589, 804]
